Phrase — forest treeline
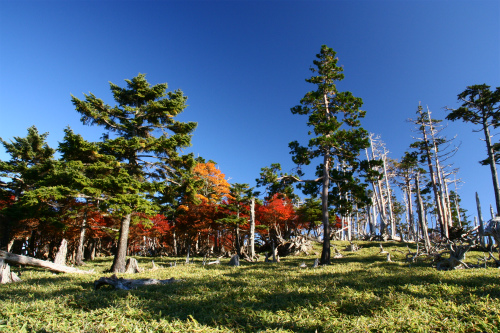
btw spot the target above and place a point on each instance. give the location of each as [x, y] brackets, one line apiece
[135, 193]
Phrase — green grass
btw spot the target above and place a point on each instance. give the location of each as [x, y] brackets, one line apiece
[358, 293]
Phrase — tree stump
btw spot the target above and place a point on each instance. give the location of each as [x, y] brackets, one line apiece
[235, 260]
[60, 258]
[6, 276]
[133, 266]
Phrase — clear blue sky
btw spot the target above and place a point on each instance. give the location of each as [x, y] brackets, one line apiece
[243, 65]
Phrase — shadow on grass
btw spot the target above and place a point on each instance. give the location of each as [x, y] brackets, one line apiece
[268, 296]
[234, 302]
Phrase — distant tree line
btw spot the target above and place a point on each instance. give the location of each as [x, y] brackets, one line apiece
[134, 192]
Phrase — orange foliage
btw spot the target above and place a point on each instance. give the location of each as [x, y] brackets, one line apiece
[215, 187]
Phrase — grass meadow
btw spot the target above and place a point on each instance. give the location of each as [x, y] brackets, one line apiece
[360, 292]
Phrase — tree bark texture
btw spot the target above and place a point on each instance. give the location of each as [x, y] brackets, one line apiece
[81, 241]
[121, 253]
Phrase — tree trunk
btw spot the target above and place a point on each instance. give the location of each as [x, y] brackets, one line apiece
[378, 199]
[188, 250]
[121, 252]
[493, 167]
[81, 240]
[481, 225]
[421, 217]
[11, 243]
[175, 242]
[392, 221]
[325, 254]
[252, 229]
[238, 245]
[430, 165]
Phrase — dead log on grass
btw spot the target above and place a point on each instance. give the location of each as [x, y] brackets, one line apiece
[17, 259]
[127, 284]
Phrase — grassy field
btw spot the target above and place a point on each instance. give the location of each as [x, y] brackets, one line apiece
[361, 292]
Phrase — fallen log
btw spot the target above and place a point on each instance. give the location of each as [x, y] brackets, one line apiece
[17, 259]
[127, 284]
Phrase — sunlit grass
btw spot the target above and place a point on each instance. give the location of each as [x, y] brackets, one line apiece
[361, 292]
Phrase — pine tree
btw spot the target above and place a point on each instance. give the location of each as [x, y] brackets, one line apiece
[481, 106]
[143, 136]
[30, 160]
[338, 139]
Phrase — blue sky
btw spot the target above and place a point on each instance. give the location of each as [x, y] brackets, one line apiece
[242, 65]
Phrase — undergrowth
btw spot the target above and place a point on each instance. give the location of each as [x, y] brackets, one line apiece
[360, 292]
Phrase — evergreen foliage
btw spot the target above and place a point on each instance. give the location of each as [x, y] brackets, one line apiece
[143, 136]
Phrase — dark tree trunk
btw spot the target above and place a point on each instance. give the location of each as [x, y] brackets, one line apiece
[32, 244]
[5, 238]
[326, 253]
[121, 252]
[492, 162]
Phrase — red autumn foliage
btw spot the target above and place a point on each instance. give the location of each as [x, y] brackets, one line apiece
[279, 215]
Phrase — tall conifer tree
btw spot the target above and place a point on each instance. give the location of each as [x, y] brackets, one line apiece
[481, 106]
[143, 136]
[337, 141]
